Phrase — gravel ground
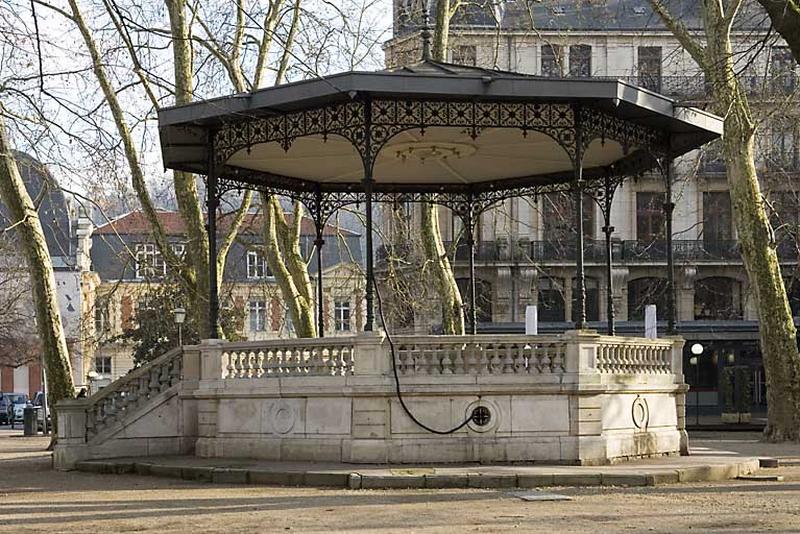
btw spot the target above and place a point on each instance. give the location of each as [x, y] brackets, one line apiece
[34, 498]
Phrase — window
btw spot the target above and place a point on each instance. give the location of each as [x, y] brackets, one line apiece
[100, 317]
[256, 265]
[580, 61]
[341, 311]
[550, 300]
[558, 217]
[102, 365]
[552, 61]
[784, 148]
[649, 216]
[483, 298]
[712, 161]
[149, 262]
[649, 67]
[644, 291]
[717, 217]
[465, 55]
[258, 315]
[717, 298]
[782, 69]
[785, 220]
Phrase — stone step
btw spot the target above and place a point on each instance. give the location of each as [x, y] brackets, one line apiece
[489, 477]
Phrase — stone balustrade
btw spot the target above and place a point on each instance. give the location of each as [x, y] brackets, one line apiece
[575, 397]
[616, 355]
[480, 355]
[288, 357]
[133, 390]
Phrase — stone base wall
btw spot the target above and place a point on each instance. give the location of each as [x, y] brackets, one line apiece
[579, 398]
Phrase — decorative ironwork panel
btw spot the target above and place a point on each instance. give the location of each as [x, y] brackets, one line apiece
[345, 119]
[598, 124]
[390, 117]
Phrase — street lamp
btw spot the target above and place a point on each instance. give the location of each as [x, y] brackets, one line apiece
[697, 350]
[180, 317]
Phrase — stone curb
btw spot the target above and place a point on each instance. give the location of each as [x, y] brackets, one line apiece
[225, 475]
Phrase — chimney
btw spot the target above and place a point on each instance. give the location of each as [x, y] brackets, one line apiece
[84, 234]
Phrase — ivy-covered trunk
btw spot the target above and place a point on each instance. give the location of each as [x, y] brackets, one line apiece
[25, 219]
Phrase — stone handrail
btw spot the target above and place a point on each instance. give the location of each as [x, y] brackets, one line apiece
[617, 355]
[289, 357]
[133, 390]
[480, 355]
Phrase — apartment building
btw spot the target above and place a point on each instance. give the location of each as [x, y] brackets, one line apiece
[525, 253]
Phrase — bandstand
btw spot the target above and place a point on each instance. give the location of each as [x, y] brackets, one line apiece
[462, 137]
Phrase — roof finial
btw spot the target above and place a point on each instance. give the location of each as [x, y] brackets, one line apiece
[426, 35]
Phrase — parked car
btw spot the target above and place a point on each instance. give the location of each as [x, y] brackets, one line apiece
[7, 402]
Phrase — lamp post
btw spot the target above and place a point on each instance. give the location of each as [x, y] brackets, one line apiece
[697, 350]
[180, 317]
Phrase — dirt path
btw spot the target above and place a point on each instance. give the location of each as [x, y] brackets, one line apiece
[33, 498]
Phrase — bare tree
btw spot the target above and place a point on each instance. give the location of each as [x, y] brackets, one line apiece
[713, 52]
[24, 217]
[785, 16]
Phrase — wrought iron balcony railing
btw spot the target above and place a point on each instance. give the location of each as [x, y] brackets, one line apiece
[623, 252]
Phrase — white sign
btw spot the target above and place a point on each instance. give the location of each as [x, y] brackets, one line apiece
[650, 322]
[531, 321]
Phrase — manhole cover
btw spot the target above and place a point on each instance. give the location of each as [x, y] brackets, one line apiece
[541, 496]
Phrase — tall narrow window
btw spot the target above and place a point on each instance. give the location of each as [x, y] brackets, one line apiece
[717, 217]
[258, 315]
[649, 217]
[784, 147]
[552, 61]
[649, 67]
[465, 55]
[101, 325]
[342, 312]
[783, 69]
[550, 300]
[580, 61]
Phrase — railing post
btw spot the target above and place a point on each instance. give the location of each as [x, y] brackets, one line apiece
[581, 352]
[371, 355]
[211, 365]
[71, 446]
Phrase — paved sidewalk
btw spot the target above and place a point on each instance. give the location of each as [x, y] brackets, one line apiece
[708, 462]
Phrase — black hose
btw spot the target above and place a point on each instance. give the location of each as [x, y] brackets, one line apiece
[397, 379]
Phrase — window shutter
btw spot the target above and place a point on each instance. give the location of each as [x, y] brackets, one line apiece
[127, 312]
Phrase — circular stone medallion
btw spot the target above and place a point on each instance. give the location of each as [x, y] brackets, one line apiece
[640, 412]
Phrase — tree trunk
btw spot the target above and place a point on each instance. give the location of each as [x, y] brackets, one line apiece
[450, 296]
[785, 17]
[777, 331]
[435, 253]
[22, 213]
[287, 266]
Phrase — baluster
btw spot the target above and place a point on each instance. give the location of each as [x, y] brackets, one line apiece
[495, 361]
[521, 364]
[229, 368]
[447, 359]
[544, 360]
[175, 370]
[483, 362]
[458, 361]
[558, 359]
[508, 361]
[163, 378]
[259, 362]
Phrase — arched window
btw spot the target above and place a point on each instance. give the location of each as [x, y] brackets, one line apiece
[644, 291]
[551, 300]
[717, 298]
[483, 297]
[592, 299]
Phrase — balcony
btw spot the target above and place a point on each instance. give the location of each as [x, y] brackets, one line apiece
[623, 252]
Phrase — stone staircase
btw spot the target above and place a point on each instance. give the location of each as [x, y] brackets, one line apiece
[140, 414]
